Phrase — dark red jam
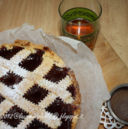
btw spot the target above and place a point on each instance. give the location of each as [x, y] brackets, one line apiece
[9, 53]
[36, 94]
[56, 74]
[32, 61]
[14, 116]
[10, 79]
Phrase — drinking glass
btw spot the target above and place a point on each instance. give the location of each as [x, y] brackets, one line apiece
[80, 20]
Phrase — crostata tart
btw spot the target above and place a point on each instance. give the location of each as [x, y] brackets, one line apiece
[37, 90]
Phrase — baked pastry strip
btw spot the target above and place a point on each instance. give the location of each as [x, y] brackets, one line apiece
[67, 90]
[29, 107]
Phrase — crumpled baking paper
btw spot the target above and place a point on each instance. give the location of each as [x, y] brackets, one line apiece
[81, 60]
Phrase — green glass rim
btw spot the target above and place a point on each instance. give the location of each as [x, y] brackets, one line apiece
[98, 16]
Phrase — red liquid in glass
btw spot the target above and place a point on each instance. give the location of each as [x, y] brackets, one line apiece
[79, 27]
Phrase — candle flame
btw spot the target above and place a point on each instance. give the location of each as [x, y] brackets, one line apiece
[80, 28]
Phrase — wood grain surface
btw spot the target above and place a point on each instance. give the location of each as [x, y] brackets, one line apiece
[114, 22]
[114, 70]
[112, 45]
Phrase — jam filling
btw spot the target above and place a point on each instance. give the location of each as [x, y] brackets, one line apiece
[56, 74]
[9, 53]
[66, 124]
[62, 110]
[10, 79]
[32, 61]
[72, 90]
[1, 98]
[36, 124]
[58, 107]
[36, 94]
[46, 49]
[14, 116]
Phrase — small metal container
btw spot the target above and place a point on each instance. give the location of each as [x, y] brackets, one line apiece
[109, 103]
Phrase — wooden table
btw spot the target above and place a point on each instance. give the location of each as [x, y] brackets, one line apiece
[112, 45]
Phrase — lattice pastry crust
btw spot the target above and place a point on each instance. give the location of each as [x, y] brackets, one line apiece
[37, 91]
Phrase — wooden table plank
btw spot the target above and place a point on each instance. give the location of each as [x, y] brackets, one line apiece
[114, 23]
[44, 14]
[114, 70]
[40, 13]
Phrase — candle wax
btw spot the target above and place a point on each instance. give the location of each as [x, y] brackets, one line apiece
[79, 27]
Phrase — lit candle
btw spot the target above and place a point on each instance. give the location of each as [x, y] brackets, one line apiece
[79, 27]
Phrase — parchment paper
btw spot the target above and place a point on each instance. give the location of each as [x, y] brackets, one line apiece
[81, 60]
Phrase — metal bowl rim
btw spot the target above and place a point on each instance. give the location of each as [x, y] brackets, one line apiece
[109, 103]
